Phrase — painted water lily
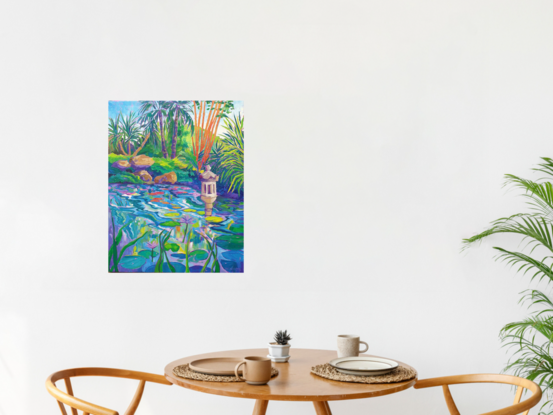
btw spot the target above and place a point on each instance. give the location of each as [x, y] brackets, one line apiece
[188, 220]
[151, 245]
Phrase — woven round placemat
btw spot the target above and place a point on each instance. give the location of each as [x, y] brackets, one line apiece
[400, 374]
[184, 371]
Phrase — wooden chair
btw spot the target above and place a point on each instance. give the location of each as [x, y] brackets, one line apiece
[89, 408]
[517, 407]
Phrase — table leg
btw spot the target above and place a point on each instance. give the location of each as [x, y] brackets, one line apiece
[260, 407]
[322, 408]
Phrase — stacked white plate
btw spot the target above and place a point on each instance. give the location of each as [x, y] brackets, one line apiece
[363, 365]
[281, 359]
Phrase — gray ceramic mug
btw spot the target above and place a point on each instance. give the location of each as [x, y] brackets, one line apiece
[348, 345]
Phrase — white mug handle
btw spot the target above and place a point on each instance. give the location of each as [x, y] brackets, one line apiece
[365, 343]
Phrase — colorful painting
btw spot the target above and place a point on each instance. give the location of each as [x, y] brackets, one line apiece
[176, 186]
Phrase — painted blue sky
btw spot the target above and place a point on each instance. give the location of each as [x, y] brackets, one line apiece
[125, 107]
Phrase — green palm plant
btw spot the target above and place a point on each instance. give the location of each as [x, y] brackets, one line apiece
[178, 112]
[130, 133]
[155, 112]
[532, 338]
[152, 128]
[113, 134]
[228, 155]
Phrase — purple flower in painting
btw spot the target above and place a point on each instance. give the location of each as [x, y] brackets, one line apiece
[188, 220]
[151, 245]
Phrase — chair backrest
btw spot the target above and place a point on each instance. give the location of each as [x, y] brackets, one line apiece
[517, 407]
[88, 408]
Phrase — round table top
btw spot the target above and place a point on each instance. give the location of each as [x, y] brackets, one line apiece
[295, 382]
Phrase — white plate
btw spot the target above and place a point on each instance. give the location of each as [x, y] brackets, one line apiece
[282, 359]
[364, 365]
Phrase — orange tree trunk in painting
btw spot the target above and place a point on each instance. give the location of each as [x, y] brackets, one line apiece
[205, 130]
[141, 146]
[135, 152]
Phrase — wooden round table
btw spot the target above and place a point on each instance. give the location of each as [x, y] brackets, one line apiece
[295, 382]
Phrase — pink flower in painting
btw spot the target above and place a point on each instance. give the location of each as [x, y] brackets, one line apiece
[151, 245]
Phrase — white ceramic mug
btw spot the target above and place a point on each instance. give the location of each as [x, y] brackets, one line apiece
[348, 345]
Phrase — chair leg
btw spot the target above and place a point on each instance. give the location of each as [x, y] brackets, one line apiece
[322, 408]
[260, 407]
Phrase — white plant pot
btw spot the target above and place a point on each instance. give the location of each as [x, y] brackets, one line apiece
[277, 350]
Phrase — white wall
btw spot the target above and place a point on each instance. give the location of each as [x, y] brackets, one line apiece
[378, 133]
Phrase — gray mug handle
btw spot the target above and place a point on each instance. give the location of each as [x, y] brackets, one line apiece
[361, 351]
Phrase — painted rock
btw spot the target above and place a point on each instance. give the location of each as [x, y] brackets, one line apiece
[141, 162]
[144, 175]
[121, 164]
[170, 177]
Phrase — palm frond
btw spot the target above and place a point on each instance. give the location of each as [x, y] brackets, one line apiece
[534, 229]
[546, 167]
[540, 195]
[526, 263]
[536, 297]
[538, 323]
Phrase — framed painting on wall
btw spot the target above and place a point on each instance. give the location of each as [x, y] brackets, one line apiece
[176, 186]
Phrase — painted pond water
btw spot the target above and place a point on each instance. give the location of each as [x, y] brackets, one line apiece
[163, 228]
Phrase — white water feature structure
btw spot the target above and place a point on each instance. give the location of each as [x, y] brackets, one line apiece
[209, 189]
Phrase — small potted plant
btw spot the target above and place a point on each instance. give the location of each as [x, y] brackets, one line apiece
[279, 350]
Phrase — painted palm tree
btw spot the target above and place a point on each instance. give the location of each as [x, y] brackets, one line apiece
[178, 111]
[130, 134]
[155, 112]
[152, 129]
[113, 133]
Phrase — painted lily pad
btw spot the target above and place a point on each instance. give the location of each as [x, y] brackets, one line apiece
[230, 244]
[169, 223]
[198, 268]
[237, 256]
[189, 210]
[178, 267]
[172, 214]
[146, 253]
[198, 255]
[237, 228]
[132, 261]
[172, 247]
[214, 219]
[232, 237]
[231, 266]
